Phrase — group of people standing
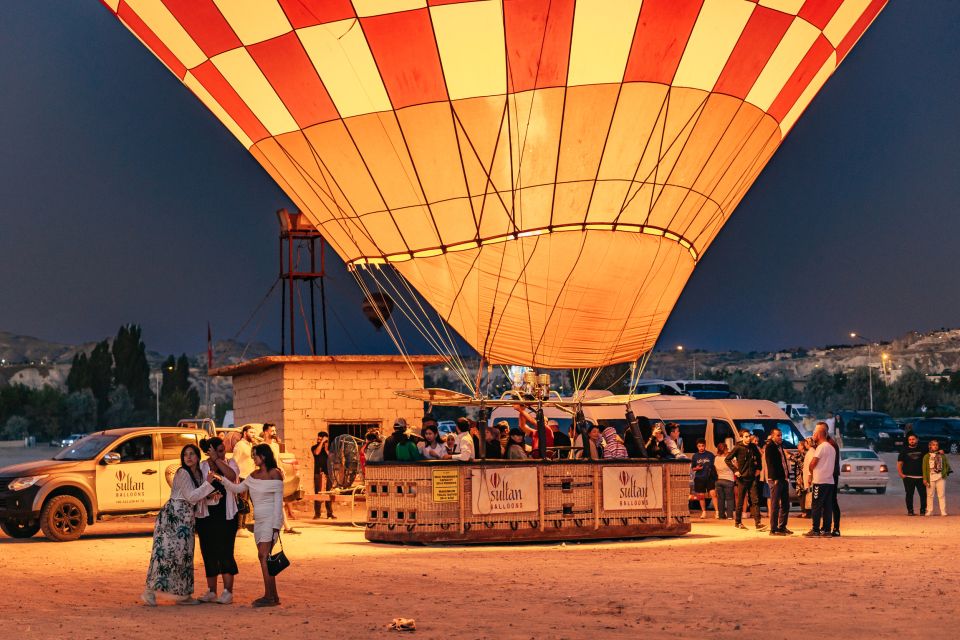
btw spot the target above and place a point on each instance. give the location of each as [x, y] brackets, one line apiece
[734, 480]
[204, 501]
[924, 474]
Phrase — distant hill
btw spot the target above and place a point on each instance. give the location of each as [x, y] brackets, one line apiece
[35, 363]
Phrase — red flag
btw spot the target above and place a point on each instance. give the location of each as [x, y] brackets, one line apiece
[209, 347]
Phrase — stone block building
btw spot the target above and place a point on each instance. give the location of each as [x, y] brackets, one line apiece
[338, 394]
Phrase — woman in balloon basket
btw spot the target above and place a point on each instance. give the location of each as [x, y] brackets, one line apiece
[265, 485]
[171, 559]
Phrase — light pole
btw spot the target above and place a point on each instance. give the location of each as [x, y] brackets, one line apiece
[156, 379]
[869, 367]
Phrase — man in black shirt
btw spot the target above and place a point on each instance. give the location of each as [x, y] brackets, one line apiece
[745, 460]
[390, 444]
[910, 468]
[779, 483]
[321, 481]
[560, 439]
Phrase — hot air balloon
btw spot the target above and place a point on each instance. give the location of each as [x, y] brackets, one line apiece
[377, 307]
[545, 174]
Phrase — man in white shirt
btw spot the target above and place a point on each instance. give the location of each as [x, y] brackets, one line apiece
[821, 469]
[243, 452]
[465, 449]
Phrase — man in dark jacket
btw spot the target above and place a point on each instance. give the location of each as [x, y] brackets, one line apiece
[778, 479]
[745, 460]
[398, 436]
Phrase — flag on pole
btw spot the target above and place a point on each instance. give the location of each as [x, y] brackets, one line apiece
[209, 347]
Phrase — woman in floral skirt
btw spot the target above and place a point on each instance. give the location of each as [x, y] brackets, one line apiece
[171, 560]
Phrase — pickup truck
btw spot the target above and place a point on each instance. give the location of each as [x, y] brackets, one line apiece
[117, 472]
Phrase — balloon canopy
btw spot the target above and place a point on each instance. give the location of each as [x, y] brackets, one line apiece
[545, 173]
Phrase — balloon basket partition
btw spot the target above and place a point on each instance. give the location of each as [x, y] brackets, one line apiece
[514, 501]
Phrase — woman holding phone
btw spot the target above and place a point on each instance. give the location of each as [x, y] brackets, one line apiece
[217, 524]
[265, 485]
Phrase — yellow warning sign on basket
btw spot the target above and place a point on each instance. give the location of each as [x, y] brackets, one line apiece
[446, 486]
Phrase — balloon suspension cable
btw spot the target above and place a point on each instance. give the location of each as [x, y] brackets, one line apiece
[410, 308]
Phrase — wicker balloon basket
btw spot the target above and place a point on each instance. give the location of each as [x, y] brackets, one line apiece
[507, 501]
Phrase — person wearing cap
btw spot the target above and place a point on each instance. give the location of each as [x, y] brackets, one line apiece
[398, 436]
[466, 451]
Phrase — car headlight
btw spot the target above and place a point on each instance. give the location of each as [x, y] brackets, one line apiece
[19, 484]
[883, 434]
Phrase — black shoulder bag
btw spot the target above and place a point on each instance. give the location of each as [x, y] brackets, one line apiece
[277, 562]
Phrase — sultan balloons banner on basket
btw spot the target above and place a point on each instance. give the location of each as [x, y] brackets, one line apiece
[545, 173]
[635, 487]
[504, 490]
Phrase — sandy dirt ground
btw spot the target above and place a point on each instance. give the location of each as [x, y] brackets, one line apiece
[888, 576]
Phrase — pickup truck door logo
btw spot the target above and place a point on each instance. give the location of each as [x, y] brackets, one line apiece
[127, 487]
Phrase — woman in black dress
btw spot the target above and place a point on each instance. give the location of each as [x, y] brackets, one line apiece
[217, 524]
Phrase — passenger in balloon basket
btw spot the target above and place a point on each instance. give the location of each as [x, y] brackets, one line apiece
[613, 446]
[674, 442]
[321, 480]
[515, 445]
[432, 447]
[465, 449]
[657, 445]
[504, 427]
[492, 443]
[398, 436]
[450, 442]
[560, 440]
[746, 462]
[528, 424]
[594, 443]
[372, 450]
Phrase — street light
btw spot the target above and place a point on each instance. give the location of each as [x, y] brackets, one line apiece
[157, 380]
[869, 342]
[693, 357]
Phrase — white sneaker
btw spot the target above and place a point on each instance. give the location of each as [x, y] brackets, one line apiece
[209, 596]
[703, 514]
[149, 598]
[928, 514]
[225, 598]
[243, 533]
[943, 514]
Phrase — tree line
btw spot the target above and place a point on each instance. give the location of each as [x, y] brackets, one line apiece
[834, 391]
[108, 387]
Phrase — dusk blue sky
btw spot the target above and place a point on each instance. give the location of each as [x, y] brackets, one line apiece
[123, 200]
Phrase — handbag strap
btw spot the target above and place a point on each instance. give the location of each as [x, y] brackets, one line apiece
[279, 540]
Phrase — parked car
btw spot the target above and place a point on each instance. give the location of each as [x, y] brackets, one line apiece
[946, 431]
[446, 427]
[67, 441]
[107, 473]
[117, 472]
[862, 469]
[870, 430]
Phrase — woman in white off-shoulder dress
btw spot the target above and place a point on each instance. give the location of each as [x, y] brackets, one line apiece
[266, 492]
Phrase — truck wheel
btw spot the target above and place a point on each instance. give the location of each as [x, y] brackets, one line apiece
[16, 529]
[881, 490]
[63, 518]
